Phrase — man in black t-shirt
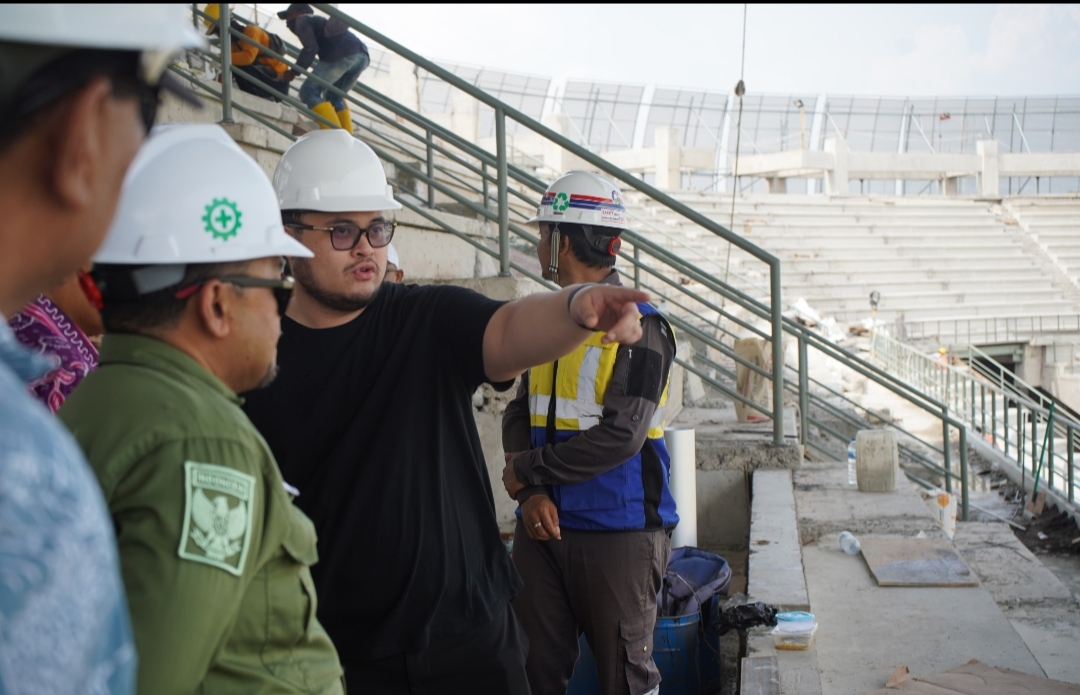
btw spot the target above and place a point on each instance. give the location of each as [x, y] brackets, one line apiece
[371, 419]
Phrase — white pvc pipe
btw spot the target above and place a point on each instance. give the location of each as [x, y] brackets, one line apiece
[683, 484]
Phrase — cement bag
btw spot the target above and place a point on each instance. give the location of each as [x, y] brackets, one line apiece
[751, 385]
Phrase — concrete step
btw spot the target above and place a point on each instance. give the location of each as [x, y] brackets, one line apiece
[955, 312]
[860, 289]
[826, 242]
[971, 258]
[866, 631]
[828, 278]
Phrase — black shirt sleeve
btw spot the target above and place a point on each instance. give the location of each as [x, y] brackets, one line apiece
[461, 317]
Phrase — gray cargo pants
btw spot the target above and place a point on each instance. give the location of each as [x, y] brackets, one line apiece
[602, 584]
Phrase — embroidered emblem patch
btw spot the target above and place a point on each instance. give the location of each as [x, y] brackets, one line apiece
[217, 516]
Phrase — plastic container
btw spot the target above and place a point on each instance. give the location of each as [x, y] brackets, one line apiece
[794, 641]
[584, 681]
[675, 650]
[849, 543]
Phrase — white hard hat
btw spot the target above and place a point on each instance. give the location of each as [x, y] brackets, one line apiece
[142, 27]
[332, 171]
[582, 197]
[192, 196]
[392, 255]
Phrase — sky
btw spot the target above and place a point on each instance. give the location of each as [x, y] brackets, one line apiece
[909, 50]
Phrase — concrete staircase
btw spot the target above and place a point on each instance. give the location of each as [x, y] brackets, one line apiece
[1054, 224]
[929, 258]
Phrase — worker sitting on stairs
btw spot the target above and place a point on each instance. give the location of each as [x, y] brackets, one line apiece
[587, 463]
[342, 57]
[250, 59]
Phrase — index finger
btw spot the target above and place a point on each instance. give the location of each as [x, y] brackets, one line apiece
[627, 329]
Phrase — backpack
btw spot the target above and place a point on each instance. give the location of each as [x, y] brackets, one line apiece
[277, 45]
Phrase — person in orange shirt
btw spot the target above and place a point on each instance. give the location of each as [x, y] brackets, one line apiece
[251, 60]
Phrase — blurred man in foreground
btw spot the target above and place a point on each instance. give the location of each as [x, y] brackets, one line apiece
[78, 92]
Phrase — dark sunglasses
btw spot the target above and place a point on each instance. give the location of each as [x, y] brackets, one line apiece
[345, 237]
[281, 288]
[41, 90]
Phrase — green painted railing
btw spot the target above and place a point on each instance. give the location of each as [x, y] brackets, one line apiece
[702, 307]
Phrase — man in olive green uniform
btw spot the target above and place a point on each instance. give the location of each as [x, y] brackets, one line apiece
[215, 557]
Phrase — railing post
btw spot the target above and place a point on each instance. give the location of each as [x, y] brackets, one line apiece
[226, 62]
[804, 390]
[1034, 443]
[504, 208]
[777, 309]
[1049, 453]
[637, 267]
[963, 474]
[1005, 416]
[430, 170]
[1070, 473]
[484, 176]
[946, 449]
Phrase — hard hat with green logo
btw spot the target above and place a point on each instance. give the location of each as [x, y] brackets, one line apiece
[193, 196]
[332, 171]
[584, 198]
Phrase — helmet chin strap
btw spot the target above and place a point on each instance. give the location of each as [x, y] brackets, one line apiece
[553, 263]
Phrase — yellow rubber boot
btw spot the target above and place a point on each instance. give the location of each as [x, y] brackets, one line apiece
[345, 118]
[326, 110]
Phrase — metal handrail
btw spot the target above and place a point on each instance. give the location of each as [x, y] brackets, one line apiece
[990, 329]
[503, 111]
[661, 262]
[986, 408]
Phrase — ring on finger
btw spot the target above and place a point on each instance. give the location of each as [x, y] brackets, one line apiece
[536, 525]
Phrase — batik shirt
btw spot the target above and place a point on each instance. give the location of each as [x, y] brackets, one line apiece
[63, 617]
[46, 330]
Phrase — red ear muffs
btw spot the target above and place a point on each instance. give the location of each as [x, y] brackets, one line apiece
[90, 289]
[613, 246]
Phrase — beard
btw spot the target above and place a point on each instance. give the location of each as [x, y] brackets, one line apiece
[345, 303]
[268, 378]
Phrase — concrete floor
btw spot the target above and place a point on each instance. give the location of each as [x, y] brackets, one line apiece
[1022, 617]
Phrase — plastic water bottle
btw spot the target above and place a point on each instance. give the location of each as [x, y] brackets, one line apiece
[851, 478]
[849, 543]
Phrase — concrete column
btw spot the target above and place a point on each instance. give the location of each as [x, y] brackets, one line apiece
[949, 185]
[988, 172]
[776, 185]
[404, 83]
[465, 115]
[836, 180]
[555, 157]
[668, 155]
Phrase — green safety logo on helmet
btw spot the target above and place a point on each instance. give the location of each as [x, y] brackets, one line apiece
[222, 218]
[561, 202]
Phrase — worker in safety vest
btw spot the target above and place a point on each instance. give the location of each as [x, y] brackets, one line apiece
[215, 557]
[79, 87]
[587, 463]
[247, 56]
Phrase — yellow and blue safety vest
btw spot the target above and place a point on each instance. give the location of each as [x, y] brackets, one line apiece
[634, 494]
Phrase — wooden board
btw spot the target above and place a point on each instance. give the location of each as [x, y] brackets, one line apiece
[915, 562]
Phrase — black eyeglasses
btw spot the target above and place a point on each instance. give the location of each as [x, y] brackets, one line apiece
[282, 288]
[345, 237]
[123, 70]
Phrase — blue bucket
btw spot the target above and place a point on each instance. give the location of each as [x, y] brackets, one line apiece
[675, 650]
[709, 648]
[584, 680]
